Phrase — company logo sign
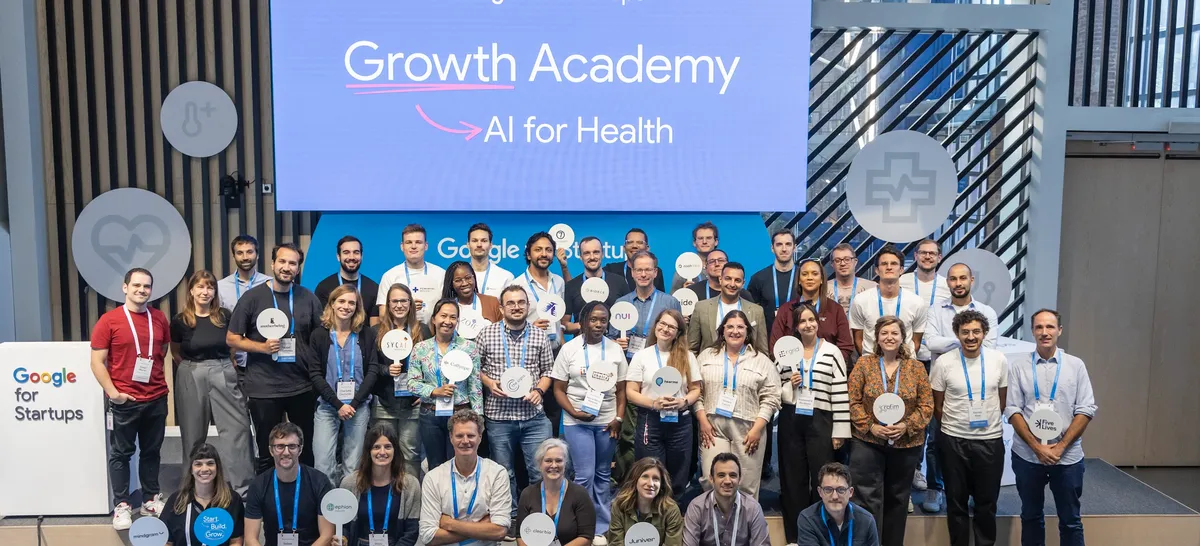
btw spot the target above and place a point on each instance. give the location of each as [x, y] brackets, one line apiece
[29, 408]
[57, 379]
[902, 186]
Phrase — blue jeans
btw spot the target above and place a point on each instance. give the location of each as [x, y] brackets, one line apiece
[435, 438]
[933, 471]
[1066, 484]
[592, 451]
[326, 429]
[504, 436]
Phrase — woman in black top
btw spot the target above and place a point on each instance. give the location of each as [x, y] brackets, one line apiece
[389, 499]
[206, 386]
[566, 502]
[339, 359]
[203, 487]
[393, 403]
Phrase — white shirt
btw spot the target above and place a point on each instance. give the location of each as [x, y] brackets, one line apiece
[426, 284]
[946, 375]
[557, 286]
[934, 292]
[437, 497]
[231, 288]
[865, 311]
[644, 365]
[569, 367]
[939, 335]
[492, 281]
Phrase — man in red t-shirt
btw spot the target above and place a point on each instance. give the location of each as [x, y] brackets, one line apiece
[128, 347]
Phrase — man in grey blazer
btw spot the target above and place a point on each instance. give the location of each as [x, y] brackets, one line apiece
[702, 327]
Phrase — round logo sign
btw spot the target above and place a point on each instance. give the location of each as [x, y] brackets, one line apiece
[516, 382]
[602, 375]
[902, 186]
[624, 316]
[397, 344]
[470, 324]
[198, 119]
[549, 307]
[689, 265]
[993, 282]
[789, 351]
[213, 526]
[667, 381]
[563, 235]
[1045, 424]
[642, 533]
[272, 323]
[594, 289]
[456, 365]
[889, 408]
[339, 506]
[537, 529]
[126, 228]
[148, 532]
[687, 300]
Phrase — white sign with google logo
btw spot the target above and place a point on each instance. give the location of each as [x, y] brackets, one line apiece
[51, 431]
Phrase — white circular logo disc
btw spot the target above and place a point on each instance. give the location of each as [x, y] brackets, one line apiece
[889, 408]
[471, 324]
[602, 376]
[397, 344]
[993, 282]
[549, 307]
[272, 323]
[456, 365]
[642, 533]
[689, 265]
[563, 235]
[148, 532]
[537, 529]
[594, 289]
[667, 381]
[198, 119]
[902, 186]
[339, 506]
[1045, 424]
[623, 316]
[789, 351]
[687, 300]
[516, 382]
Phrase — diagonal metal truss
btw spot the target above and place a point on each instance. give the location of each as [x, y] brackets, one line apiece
[972, 91]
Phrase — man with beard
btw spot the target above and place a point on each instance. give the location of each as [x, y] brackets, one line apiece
[591, 253]
[349, 253]
[276, 383]
[725, 515]
[288, 498]
[702, 329]
[230, 289]
[636, 241]
[539, 281]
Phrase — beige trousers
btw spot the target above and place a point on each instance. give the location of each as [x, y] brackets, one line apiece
[728, 434]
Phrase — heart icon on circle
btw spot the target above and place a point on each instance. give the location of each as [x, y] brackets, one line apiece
[118, 240]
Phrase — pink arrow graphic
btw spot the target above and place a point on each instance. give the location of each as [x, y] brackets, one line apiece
[470, 130]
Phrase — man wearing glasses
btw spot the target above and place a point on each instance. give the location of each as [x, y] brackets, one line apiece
[287, 497]
[835, 521]
[710, 285]
[845, 285]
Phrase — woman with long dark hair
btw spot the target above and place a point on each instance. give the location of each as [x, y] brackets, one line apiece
[203, 486]
[206, 382]
[646, 496]
[389, 497]
[393, 403]
[460, 286]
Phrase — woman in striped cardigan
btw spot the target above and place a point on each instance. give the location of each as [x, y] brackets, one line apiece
[809, 432]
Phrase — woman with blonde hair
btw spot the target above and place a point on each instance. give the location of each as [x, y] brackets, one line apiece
[646, 496]
[206, 382]
[664, 423]
[392, 402]
[339, 359]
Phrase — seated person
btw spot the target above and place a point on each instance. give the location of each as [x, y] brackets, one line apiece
[725, 515]
[203, 487]
[646, 496]
[389, 498]
[465, 499]
[835, 521]
[288, 496]
[566, 502]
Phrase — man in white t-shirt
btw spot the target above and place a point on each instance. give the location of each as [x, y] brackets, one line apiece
[424, 279]
[970, 386]
[927, 284]
[887, 299]
[489, 277]
[539, 281]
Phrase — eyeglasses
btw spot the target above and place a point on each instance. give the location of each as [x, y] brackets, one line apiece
[280, 448]
[515, 304]
[643, 271]
[831, 490]
[840, 261]
[718, 261]
[398, 302]
[927, 253]
[668, 327]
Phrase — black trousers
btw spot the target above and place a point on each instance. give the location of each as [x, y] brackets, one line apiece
[971, 468]
[670, 443]
[883, 478]
[265, 413]
[805, 445]
[144, 423]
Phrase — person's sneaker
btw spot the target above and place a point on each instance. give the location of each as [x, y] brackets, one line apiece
[933, 501]
[122, 517]
[511, 534]
[153, 507]
[910, 505]
[599, 541]
[919, 482]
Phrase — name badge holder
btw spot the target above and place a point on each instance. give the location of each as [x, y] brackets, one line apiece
[668, 376]
[443, 406]
[287, 345]
[976, 415]
[397, 345]
[889, 407]
[345, 388]
[287, 350]
[142, 366]
[400, 387]
[636, 343]
[805, 399]
[594, 399]
[728, 398]
[1045, 422]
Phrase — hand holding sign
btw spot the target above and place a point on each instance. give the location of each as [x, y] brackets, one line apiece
[889, 410]
[689, 265]
[1045, 424]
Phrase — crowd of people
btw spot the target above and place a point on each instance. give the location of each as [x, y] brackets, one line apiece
[670, 422]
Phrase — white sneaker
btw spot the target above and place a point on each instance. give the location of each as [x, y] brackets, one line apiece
[153, 507]
[599, 541]
[910, 505]
[122, 517]
[919, 482]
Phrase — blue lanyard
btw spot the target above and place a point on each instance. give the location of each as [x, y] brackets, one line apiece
[917, 289]
[853, 291]
[237, 285]
[899, 298]
[1053, 390]
[386, 512]
[486, 273]
[587, 361]
[791, 279]
[524, 346]
[707, 291]
[475, 300]
[357, 282]
[850, 514]
[725, 381]
[291, 308]
[529, 281]
[408, 280]
[562, 492]
[658, 355]
[721, 308]
[982, 376]
[295, 501]
[338, 351]
[649, 314]
[818, 304]
[454, 489]
[437, 357]
[812, 364]
[883, 372]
